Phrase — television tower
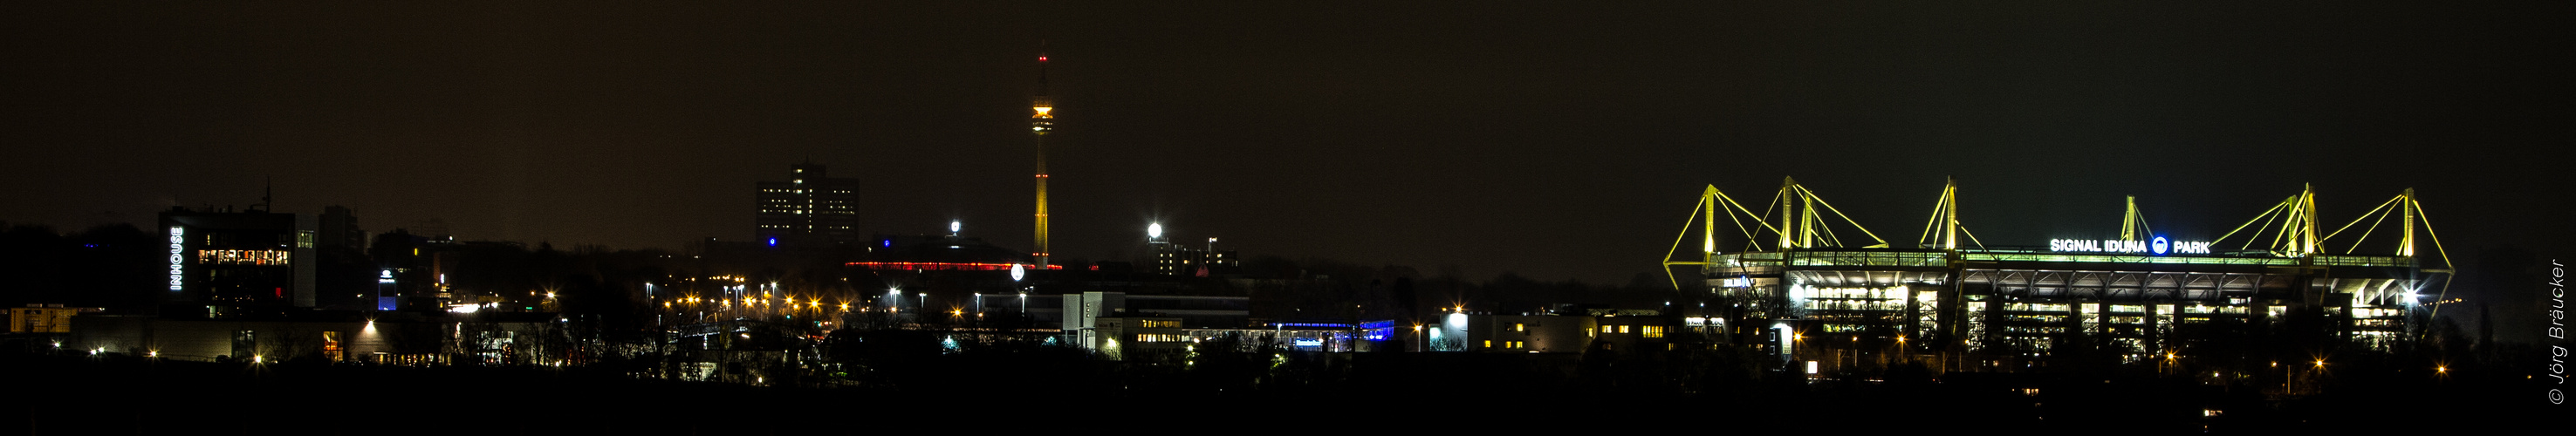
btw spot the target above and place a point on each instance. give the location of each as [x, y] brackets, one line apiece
[1041, 123]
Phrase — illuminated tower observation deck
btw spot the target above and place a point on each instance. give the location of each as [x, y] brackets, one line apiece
[1041, 123]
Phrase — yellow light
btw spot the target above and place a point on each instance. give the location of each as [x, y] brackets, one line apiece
[1042, 110]
[2442, 369]
[2321, 363]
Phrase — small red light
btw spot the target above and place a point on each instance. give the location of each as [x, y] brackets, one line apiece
[1042, 59]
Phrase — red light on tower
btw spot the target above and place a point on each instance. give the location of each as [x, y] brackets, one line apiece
[1042, 59]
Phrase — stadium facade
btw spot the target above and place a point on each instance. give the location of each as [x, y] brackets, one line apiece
[1800, 292]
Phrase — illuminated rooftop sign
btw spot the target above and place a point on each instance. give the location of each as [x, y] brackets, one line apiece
[2158, 246]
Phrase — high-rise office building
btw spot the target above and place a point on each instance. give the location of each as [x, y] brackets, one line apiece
[251, 259]
[340, 230]
[810, 207]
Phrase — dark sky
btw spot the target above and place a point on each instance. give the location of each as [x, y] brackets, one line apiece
[1556, 140]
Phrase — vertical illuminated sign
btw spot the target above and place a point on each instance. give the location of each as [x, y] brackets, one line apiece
[385, 289]
[178, 249]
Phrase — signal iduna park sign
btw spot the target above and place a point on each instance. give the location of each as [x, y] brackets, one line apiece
[2158, 246]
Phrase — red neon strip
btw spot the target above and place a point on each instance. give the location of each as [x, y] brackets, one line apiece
[944, 266]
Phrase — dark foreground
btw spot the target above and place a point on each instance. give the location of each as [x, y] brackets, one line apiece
[1398, 392]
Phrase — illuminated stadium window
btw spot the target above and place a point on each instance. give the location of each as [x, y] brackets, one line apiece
[245, 343]
[331, 346]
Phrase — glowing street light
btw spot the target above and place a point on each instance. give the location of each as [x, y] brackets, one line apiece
[1154, 230]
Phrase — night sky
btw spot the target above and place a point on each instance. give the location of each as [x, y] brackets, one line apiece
[1554, 140]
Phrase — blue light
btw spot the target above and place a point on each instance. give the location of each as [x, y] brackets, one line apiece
[2159, 245]
[1377, 334]
[889, 243]
[773, 242]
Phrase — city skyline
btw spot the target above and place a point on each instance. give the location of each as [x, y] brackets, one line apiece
[1823, 217]
[1555, 143]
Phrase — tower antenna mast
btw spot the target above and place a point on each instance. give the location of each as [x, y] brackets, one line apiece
[1041, 123]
